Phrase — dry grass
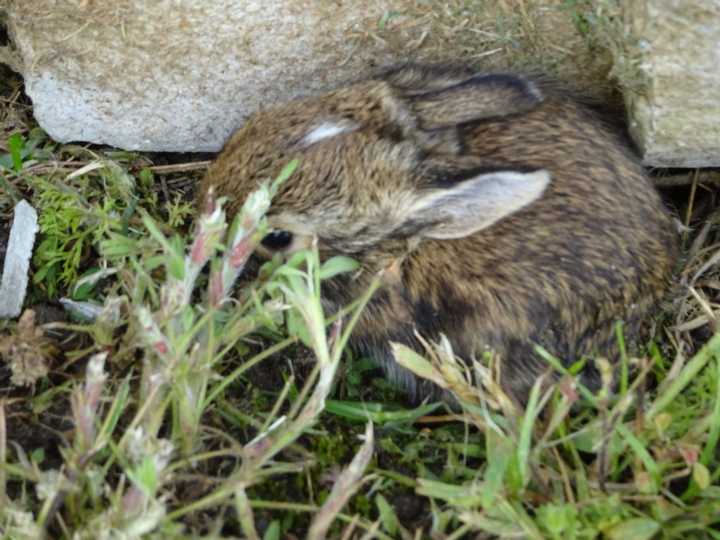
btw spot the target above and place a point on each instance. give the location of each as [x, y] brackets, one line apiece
[540, 34]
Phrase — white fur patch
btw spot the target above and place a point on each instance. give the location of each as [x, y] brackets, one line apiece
[326, 130]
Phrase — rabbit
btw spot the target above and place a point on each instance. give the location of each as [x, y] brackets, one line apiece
[505, 212]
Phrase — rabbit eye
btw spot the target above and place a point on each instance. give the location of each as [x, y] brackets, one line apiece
[277, 240]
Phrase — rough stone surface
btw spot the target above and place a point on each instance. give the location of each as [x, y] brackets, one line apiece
[17, 260]
[176, 75]
[181, 75]
[675, 115]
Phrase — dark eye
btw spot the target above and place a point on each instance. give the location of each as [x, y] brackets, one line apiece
[277, 240]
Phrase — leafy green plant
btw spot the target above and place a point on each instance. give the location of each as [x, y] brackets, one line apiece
[70, 225]
[66, 237]
[77, 214]
[21, 151]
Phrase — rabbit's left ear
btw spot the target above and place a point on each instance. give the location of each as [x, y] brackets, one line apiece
[473, 204]
[477, 98]
[440, 99]
[429, 105]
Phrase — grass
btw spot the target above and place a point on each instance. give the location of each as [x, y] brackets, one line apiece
[183, 395]
[185, 410]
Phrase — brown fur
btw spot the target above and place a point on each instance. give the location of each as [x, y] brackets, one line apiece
[597, 246]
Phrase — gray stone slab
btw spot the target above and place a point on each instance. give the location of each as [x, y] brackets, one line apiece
[674, 106]
[182, 75]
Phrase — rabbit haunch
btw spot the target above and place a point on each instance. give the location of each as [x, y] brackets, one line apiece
[509, 212]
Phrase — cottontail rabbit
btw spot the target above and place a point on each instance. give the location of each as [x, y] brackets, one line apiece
[505, 211]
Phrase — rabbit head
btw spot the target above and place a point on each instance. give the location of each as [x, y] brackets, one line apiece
[505, 213]
[381, 161]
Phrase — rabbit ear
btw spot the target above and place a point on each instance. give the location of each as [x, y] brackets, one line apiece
[420, 78]
[429, 103]
[473, 204]
[441, 97]
[476, 98]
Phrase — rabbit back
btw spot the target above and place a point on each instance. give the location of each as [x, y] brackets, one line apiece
[591, 246]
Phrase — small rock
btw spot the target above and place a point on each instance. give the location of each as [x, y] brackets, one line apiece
[17, 260]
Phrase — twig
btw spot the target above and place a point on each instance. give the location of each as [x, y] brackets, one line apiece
[180, 167]
[691, 202]
[3, 452]
[345, 486]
